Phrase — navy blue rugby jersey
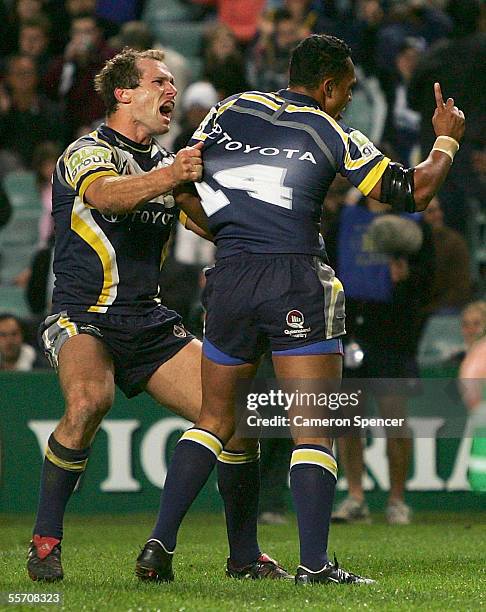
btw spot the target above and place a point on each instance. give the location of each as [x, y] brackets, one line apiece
[269, 159]
[108, 263]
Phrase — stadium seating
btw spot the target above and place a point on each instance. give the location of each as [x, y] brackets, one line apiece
[441, 338]
[18, 239]
[12, 299]
[22, 190]
[184, 37]
[169, 10]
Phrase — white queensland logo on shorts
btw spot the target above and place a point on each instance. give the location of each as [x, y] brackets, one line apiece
[179, 331]
[295, 320]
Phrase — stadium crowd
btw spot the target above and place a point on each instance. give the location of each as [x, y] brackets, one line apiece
[50, 52]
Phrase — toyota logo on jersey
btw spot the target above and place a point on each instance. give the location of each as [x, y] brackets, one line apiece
[295, 319]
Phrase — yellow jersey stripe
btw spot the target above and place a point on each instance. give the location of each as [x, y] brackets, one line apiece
[205, 439]
[291, 108]
[314, 457]
[71, 466]
[84, 225]
[260, 100]
[92, 178]
[225, 107]
[182, 218]
[373, 176]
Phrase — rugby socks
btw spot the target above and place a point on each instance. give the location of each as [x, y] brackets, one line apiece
[60, 473]
[192, 462]
[313, 474]
[239, 486]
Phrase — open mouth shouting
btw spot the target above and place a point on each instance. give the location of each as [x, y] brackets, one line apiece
[166, 110]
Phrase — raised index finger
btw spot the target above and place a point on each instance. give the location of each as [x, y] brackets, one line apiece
[438, 95]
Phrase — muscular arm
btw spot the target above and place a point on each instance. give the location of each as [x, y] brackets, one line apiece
[429, 175]
[122, 194]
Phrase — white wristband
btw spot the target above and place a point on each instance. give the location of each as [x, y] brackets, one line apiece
[446, 145]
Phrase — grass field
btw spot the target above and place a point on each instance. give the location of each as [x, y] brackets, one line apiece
[437, 563]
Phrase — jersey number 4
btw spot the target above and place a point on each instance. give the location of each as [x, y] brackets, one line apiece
[265, 183]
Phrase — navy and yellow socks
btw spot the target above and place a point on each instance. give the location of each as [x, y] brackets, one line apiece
[60, 474]
[313, 474]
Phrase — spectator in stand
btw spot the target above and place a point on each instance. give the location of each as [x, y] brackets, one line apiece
[61, 15]
[451, 285]
[27, 117]
[411, 18]
[70, 77]
[224, 66]
[459, 64]
[34, 42]
[473, 327]
[402, 129]
[15, 354]
[239, 16]
[383, 322]
[21, 10]
[360, 29]
[269, 64]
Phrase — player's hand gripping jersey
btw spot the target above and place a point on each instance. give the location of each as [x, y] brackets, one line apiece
[265, 180]
[108, 263]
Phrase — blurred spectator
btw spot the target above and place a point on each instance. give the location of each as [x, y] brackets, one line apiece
[119, 11]
[239, 16]
[20, 11]
[411, 18]
[360, 30]
[368, 110]
[224, 67]
[70, 77]
[384, 298]
[402, 130]
[27, 117]
[15, 354]
[473, 327]
[34, 42]
[195, 102]
[451, 286]
[39, 276]
[269, 64]
[459, 65]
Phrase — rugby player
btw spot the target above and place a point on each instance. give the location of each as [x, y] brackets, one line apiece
[114, 209]
[269, 159]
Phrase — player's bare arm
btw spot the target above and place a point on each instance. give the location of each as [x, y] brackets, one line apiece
[122, 194]
[423, 181]
[197, 220]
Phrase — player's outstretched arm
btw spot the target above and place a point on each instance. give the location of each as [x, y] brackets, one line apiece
[122, 194]
[423, 181]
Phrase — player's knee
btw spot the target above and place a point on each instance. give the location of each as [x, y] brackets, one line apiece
[222, 430]
[87, 407]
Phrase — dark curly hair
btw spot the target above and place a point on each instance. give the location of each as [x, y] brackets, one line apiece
[317, 57]
[122, 71]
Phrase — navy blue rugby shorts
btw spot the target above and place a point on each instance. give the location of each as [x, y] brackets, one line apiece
[292, 304]
[138, 344]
